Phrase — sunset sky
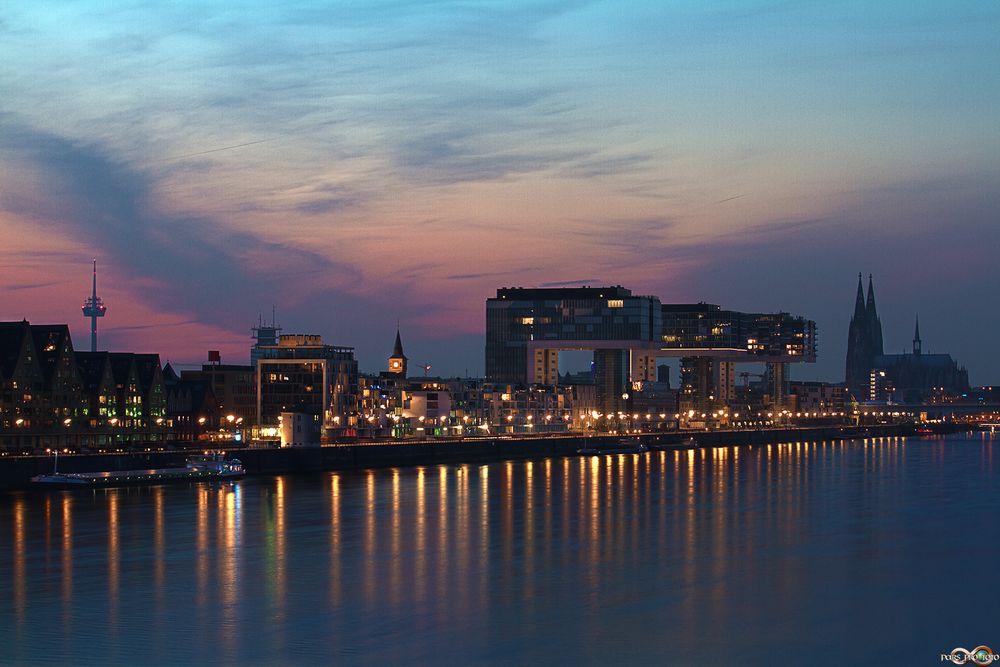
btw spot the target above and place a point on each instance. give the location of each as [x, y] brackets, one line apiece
[361, 162]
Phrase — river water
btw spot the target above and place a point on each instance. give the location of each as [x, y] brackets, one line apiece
[881, 551]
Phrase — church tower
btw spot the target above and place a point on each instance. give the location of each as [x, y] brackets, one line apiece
[864, 342]
[858, 344]
[916, 339]
[874, 323]
[397, 362]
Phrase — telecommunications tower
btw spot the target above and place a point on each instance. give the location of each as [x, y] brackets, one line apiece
[93, 307]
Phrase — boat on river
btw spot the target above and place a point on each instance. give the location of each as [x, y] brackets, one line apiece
[620, 446]
[686, 443]
[210, 465]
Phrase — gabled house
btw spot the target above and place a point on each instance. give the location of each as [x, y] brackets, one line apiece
[100, 392]
[192, 407]
[23, 380]
[154, 395]
[64, 400]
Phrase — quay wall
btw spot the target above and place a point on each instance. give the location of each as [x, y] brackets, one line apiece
[16, 471]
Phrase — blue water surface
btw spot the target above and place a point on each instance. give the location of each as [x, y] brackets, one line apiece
[881, 551]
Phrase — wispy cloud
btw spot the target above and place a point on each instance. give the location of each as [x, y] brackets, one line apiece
[570, 283]
[17, 287]
[490, 274]
[100, 200]
[364, 160]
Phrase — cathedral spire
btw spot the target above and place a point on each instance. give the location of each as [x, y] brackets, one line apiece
[872, 312]
[916, 337]
[859, 346]
[873, 323]
[859, 302]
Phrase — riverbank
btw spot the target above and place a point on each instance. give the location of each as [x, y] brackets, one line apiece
[16, 472]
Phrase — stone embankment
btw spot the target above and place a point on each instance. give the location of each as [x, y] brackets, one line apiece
[16, 471]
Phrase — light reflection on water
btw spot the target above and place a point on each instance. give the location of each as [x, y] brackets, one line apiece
[831, 550]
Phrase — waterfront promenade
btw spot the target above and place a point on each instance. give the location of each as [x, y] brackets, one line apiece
[16, 472]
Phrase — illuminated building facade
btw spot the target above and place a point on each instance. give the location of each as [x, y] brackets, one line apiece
[304, 375]
[819, 397]
[192, 408]
[22, 384]
[234, 387]
[526, 329]
[99, 385]
[53, 396]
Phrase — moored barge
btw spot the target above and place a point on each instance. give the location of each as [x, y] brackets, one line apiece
[210, 465]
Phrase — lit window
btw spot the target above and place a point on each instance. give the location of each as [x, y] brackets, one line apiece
[616, 303]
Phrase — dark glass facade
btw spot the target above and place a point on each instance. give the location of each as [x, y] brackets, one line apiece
[705, 326]
[517, 316]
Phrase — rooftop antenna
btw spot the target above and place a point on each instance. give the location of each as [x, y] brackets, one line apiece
[93, 307]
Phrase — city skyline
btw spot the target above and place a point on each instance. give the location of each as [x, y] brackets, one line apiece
[389, 161]
[576, 361]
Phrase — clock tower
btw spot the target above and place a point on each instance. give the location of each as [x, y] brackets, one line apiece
[397, 362]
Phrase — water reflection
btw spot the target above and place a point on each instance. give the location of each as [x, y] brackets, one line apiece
[229, 565]
[159, 552]
[420, 545]
[370, 540]
[335, 538]
[463, 535]
[594, 521]
[395, 552]
[67, 560]
[19, 571]
[484, 531]
[441, 552]
[114, 563]
[591, 559]
[279, 590]
[202, 558]
[528, 535]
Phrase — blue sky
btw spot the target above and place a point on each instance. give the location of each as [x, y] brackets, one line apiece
[356, 163]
